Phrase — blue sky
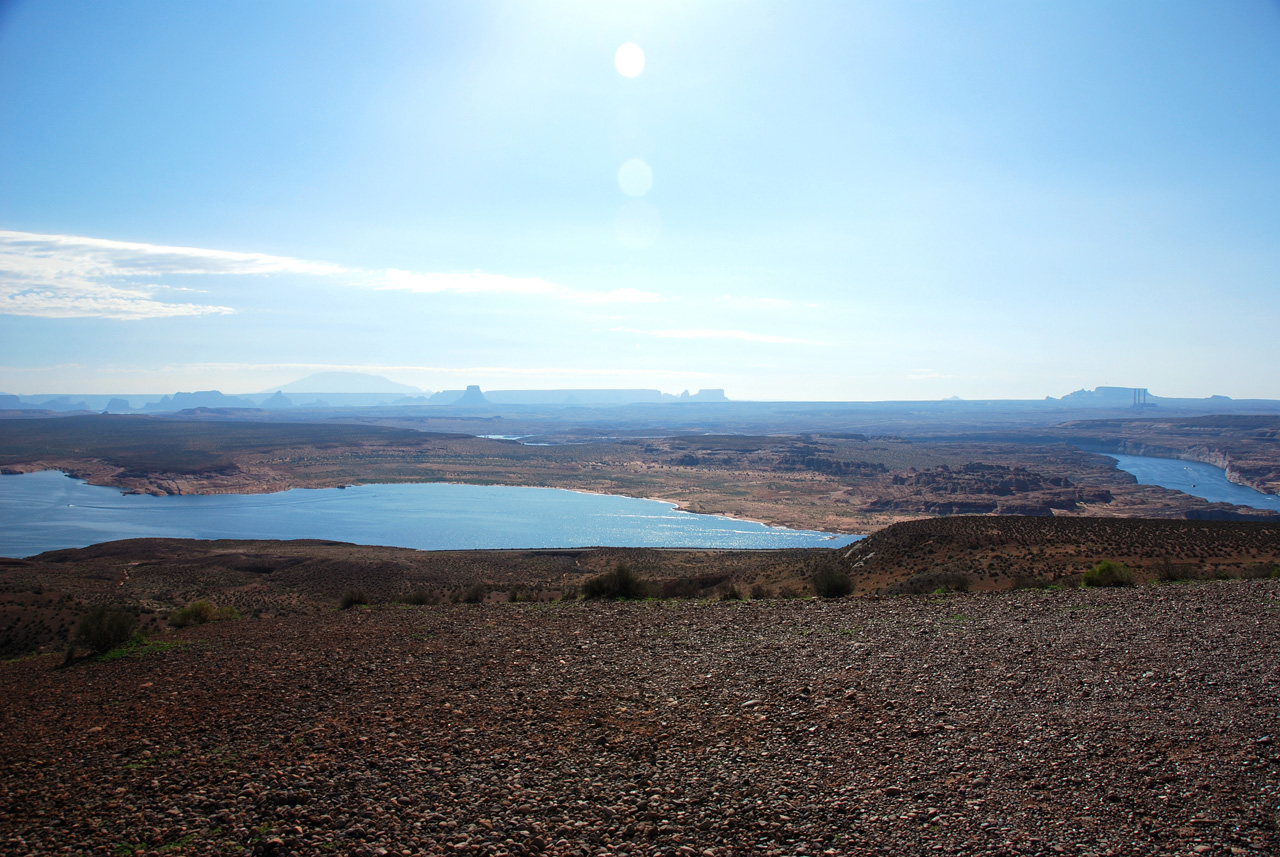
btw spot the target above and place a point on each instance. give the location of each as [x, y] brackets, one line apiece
[903, 200]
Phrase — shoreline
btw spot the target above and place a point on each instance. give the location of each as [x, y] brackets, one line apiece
[721, 535]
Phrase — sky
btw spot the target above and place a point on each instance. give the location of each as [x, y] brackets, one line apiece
[787, 200]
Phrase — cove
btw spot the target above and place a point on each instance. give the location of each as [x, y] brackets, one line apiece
[49, 511]
[1194, 478]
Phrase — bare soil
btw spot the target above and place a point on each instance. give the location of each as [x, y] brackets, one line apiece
[1089, 722]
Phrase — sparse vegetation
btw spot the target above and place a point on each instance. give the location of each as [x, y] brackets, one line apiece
[139, 646]
[474, 594]
[730, 592]
[200, 612]
[103, 628]
[353, 598]
[926, 582]
[829, 581]
[620, 584]
[420, 598]
[1108, 573]
[760, 591]
[681, 587]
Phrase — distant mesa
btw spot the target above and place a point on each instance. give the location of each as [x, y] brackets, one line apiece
[64, 403]
[1115, 397]
[118, 406]
[1129, 397]
[713, 395]
[472, 396]
[191, 401]
[279, 400]
[344, 382]
[10, 402]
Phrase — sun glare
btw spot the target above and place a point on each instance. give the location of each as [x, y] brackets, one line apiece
[629, 59]
[635, 177]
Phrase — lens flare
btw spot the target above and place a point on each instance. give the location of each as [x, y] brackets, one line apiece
[635, 177]
[629, 60]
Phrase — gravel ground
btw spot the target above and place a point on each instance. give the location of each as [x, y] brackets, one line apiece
[1140, 721]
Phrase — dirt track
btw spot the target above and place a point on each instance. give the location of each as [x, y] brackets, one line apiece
[1140, 721]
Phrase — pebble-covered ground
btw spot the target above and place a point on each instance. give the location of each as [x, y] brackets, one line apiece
[1120, 722]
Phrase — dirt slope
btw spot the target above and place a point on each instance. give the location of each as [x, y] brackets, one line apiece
[1080, 722]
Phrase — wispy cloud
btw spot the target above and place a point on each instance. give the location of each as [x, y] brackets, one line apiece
[68, 276]
[705, 333]
[479, 282]
[763, 303]
[410, 368]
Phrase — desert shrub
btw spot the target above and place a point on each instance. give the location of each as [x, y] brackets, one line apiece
[516, 594]
[621, 583]
[787, 591]
[681, 587]
[474, 594]
[924, 582]
[102, 629]
[420, 597]
[761, 591]
[1026, 582]
[1108, 573]
[729, 592]
[829, 581]
[1167, 572]
[353, 598]
[1257, 571]
[570, 593]
[195, 613]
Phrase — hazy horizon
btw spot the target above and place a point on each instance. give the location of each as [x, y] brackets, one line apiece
[820, 201]
[138, 396]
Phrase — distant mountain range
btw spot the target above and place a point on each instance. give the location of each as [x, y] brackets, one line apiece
[357, 390]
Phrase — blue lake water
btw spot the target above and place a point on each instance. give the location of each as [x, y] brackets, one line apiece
[1194, 478]
[47, 511]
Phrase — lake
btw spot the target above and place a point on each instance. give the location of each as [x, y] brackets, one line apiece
[47, 511]
[1194, 478]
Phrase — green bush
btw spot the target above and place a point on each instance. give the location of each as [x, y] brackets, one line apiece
[621, 583]
[1108, 573]
[353, 598]
[200, 612]
[830, 582]
[102, 629]
[195, 613]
